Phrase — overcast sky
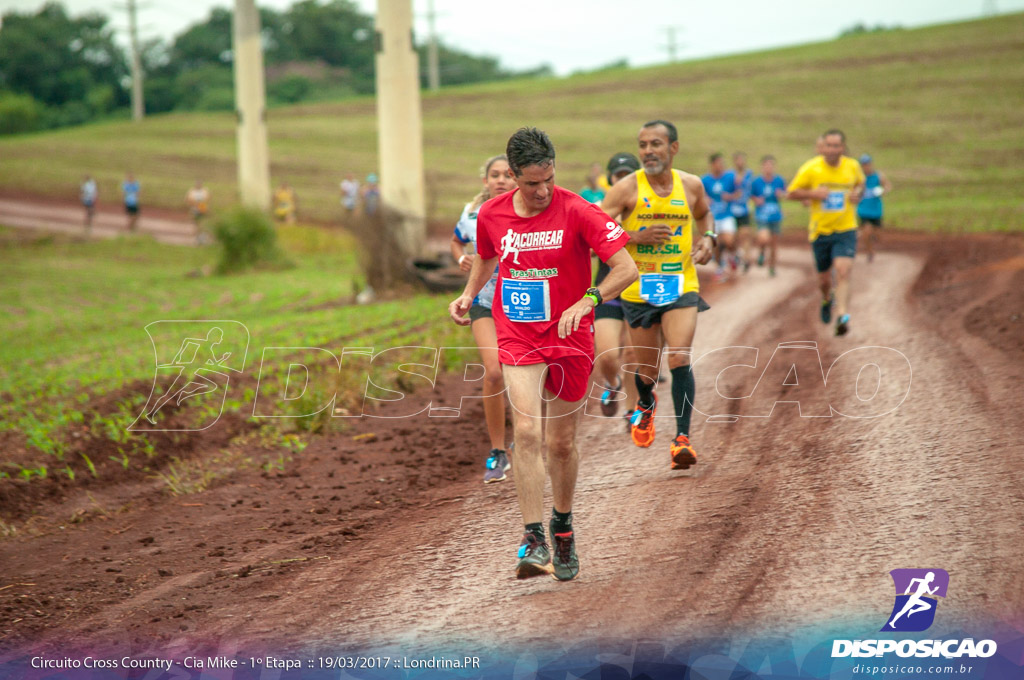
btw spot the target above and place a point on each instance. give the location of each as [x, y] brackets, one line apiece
[576, 35]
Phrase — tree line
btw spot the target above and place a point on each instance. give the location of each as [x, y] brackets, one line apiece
[58, 70]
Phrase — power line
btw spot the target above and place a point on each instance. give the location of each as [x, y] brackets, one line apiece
[671, 44]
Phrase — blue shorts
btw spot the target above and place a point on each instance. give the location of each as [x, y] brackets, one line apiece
[773, 227]
[827, 248]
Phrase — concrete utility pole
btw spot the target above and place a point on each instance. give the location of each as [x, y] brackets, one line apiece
[399, 125]
[138, 103]
[433, 65]
[250, 104]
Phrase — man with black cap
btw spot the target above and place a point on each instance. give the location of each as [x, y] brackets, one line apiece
[609, 322]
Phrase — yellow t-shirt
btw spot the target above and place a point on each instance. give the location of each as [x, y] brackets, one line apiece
[835, 214]
[666, 270]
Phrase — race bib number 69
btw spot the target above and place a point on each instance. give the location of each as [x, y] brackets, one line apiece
[526, 301]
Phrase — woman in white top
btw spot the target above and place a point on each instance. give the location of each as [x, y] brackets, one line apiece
[497, 180]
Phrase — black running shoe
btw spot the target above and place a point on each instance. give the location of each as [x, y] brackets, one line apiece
[566, 564]
[843, 325]
[534, 557]
[826, 310]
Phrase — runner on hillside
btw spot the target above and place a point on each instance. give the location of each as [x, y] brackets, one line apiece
[740, 207]
[541, 236]
[720, 189]
[286, 203]
[198, 201]
[349, 188]
[660, 207]
[593, 192]
[766, 190]
[834, 184]
[869, 210]
[609, 322]
[88, 193]
[130, 190]
[497, 181]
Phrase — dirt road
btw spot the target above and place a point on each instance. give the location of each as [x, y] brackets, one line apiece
[32, 213]
[789, 522]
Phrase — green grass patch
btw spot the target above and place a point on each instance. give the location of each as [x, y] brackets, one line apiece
[76, 362]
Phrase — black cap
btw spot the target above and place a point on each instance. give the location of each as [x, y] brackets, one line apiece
[623, 161]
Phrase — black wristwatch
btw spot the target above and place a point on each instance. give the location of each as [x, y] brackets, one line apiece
[594, 294]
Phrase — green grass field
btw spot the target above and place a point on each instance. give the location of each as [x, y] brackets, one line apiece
[74, 352]
[940, 108]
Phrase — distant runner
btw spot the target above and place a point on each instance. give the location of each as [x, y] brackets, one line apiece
[130, 189]
[349, 188]
[88, 193]
[834, 184]
[720, 189]
[593, 192]
[497, 181]
[198, 201]
[766, 190]
[541, 236]
[660, 208]
[869, 210]
[740, 207]
[286, 203]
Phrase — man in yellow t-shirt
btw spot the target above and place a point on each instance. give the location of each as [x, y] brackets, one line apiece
[659, 208]
[834, 184]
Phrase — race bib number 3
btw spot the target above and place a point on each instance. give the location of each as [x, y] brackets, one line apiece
[660, 289]
[835, 202]
[526, 301]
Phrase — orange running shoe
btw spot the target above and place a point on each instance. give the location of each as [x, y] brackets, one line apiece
[683, 455]
[642, 425]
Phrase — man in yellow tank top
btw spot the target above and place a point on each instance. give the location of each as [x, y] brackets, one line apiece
[834, 184]
[659, 208]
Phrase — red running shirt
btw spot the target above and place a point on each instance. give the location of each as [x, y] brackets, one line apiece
[543, 269]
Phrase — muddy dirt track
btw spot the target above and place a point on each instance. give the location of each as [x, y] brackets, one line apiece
[791, 520]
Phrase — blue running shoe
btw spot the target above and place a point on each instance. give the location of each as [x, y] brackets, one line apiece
[497, 466]
[843, 325]
[608, 405]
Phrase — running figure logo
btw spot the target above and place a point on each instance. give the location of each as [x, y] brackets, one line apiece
[202, 364]
[917, 593]
[507, 246]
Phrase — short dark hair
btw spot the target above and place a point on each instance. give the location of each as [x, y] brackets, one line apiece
[673, 135]
[767, 157]
[529, 146]
[835, 131]
[714, 157]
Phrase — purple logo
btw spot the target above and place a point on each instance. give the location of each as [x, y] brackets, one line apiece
[917, 593]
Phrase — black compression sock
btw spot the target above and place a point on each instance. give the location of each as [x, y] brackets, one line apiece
[645, 390]
[561, 522]
[683, 389]
[537, 529]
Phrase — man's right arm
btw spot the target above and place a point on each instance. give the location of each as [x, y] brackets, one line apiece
[800, 188]
[479, 275]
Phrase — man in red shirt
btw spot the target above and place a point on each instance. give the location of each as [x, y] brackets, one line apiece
[540, 236]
